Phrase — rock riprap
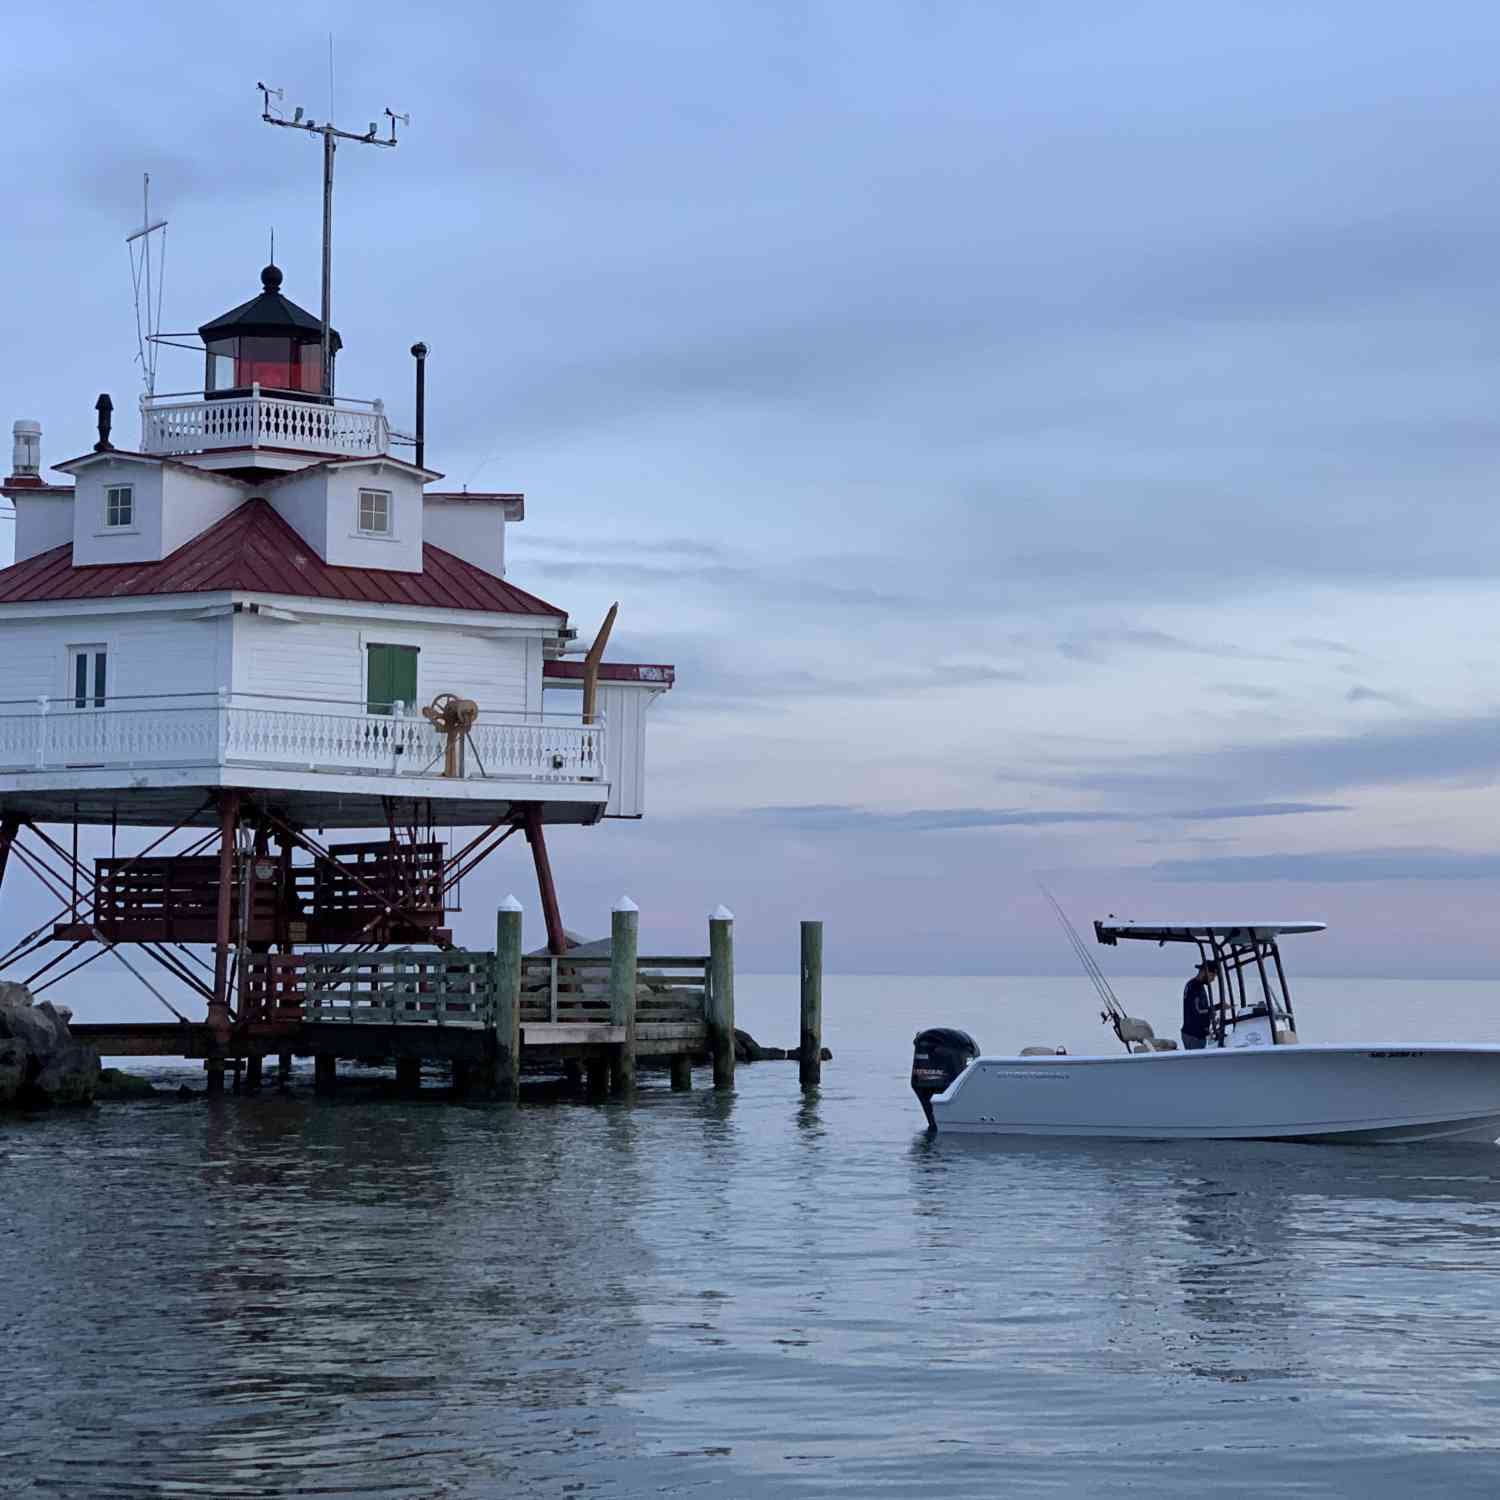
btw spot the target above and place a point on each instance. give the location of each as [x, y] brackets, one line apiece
[40, 1062]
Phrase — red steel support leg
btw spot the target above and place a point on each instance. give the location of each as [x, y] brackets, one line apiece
[8, 827]
[531, 814]
[218, 1007]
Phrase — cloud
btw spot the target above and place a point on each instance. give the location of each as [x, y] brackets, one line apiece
[1332, 868]
[1322, 644]
[1434, 750]
[1102, 642]
[604, 551]
[1359, 693]
[842, 818]
[768, 585]
[1248, 691]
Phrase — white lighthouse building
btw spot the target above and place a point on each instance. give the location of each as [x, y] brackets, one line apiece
[257, 625]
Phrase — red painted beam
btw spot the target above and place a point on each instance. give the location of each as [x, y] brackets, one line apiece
[531, 815]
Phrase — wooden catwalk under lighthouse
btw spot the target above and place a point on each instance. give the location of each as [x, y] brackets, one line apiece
[227, 634]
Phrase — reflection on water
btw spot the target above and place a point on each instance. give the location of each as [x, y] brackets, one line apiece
[771, 1294]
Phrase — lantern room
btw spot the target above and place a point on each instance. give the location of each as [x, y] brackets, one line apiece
[268, 342]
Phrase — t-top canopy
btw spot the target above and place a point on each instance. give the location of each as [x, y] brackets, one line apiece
[1110, 933]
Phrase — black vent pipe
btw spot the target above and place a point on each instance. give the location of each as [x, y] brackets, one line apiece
[419, 353]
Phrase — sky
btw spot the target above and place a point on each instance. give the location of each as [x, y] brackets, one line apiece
[1051, 441]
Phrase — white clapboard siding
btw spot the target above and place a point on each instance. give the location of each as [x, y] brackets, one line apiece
[491, 672]
[325, 660]
[311, 660]
[151, 657]
[624, 709]
[624, 706]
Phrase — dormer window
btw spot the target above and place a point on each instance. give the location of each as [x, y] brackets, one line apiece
[374, 513]
[119, 507]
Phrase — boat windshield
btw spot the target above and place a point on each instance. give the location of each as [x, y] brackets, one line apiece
[1235, 949]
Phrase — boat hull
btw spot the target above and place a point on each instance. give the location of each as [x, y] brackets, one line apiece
[1369, 1094]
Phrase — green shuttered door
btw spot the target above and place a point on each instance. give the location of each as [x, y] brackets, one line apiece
[391, 676]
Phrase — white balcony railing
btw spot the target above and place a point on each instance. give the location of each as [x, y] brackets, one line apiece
[194, 424]
[46, 736]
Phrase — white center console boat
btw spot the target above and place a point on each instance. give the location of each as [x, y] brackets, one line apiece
[1253, 1080]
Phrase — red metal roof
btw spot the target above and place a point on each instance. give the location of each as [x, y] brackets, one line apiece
[612, 671]
[254, 551]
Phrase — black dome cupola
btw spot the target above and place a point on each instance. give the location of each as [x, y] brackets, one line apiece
[268, 341]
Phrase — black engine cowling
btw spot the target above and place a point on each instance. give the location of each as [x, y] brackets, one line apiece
[939, 1055]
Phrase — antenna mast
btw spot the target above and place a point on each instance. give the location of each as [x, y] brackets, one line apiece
[331, 134]
[146, 334]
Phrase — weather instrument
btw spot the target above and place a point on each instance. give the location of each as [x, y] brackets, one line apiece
[272, 114]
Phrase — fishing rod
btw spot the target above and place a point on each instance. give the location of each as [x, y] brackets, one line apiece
[1113, 1013]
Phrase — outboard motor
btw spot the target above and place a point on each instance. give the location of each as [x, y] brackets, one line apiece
[939, 1055]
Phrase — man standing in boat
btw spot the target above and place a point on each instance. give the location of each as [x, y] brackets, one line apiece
[1198, 1007]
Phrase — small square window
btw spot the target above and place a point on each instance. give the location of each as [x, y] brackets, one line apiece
[119, 505]
[375, 512]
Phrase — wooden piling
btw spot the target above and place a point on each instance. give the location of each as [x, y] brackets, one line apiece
[810, 1056]
[720, 1007]
[215, 1067]
[254, 1067]
[284, 1070]
[624, 945]
[325, 1072]
[218, 1005]
[682, 1074]
[409, 1075]
[597, 1073]
[506, 1082]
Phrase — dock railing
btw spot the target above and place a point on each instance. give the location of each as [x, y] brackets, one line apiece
[457, 988]
[404, 988]
[566, 987]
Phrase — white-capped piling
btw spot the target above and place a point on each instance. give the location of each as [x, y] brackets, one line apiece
[507, 1066]
[624, 936]
[720, 998]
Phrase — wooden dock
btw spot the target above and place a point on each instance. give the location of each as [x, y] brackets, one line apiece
[446, 1005]
[490, 1015]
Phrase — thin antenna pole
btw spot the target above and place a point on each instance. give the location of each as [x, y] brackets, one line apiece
[146, 248]
[145, 277]
[327, 340]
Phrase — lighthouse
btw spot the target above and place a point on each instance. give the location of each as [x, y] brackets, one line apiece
[268, 342]
[266, 659]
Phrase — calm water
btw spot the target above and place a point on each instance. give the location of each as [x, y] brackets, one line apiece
[764, 1295]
